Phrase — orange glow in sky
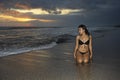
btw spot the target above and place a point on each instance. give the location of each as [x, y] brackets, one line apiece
[21, 19]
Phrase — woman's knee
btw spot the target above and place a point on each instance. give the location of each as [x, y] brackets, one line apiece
[86, 61]
[79, 61]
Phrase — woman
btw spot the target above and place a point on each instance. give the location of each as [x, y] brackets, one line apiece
[83, 47]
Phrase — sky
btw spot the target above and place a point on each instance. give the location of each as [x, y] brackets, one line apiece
[59, 12]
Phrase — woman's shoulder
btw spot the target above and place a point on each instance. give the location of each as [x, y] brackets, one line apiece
[77, 36]
[90, 36]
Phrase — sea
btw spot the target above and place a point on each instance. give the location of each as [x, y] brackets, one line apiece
[16, 40]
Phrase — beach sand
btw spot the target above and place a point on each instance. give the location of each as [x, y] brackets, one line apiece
[57, 63]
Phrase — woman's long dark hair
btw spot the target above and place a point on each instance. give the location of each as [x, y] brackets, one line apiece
[85, 28]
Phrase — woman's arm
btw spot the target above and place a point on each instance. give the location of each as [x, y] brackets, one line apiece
[76, 46]
[90, 47]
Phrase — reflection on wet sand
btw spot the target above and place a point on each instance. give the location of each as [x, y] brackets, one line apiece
[83, 71]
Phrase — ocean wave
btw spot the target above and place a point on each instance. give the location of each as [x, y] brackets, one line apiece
[31, 41]
[24, 44]
[20, 40]
[25, 49]
[63, 38]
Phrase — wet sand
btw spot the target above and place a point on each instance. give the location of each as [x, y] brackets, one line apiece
[57, 63]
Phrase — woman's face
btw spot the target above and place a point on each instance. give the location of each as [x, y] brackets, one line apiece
[81, 30]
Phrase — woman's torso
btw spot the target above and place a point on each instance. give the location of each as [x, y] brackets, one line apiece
[83, 43]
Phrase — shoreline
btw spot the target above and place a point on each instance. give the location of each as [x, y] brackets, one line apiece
[57, 63]
[13, 46]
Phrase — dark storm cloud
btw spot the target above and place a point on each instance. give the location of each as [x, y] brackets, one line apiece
[89, 5]
[97, 11]
[53, 4]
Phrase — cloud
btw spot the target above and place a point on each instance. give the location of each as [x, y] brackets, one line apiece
[40, 11]
[22, 6]
[22, 19]
[63, 12]
[1, 6]
[60, 4]
[13, 13]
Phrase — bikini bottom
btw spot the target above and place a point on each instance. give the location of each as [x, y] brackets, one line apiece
[83, 52]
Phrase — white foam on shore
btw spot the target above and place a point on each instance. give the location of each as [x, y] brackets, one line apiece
[71, 31]
[22, 50]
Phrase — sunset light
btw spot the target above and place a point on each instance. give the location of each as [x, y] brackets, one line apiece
[40, 11]
[34, 11]
[21, 19]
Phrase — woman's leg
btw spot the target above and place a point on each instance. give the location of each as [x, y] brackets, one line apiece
[86, 57]
[79, 57]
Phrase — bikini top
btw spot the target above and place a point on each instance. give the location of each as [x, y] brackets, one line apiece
[81, 42]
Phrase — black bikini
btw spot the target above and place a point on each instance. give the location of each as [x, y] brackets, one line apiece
[87, 42]
[81, 43]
